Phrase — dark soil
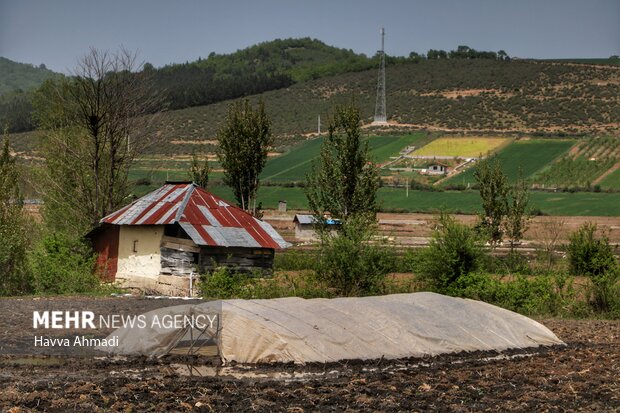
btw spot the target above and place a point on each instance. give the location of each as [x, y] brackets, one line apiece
[583, 376]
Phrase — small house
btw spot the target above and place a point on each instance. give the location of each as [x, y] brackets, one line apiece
[305, 226]
[437, 168]
[162, 240]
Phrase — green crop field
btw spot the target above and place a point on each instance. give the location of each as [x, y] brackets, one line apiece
[611, 181]
[394, 199]
[530, 155]
[395, 144]
[465, 147]
[294, 165]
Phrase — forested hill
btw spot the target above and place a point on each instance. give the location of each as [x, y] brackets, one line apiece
[260, 68]
[256, 69]
[16, 77]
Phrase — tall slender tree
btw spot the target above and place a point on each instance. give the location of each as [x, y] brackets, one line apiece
[244, 140]
[493, 188]
[517, 213]
[345, 181]
[13, 242]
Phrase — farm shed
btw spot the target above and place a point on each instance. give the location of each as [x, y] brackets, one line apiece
[305, 226]
[437, 168]
[162, 239]
[328, 330]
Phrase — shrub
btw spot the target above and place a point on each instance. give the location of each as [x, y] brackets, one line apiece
[143, 182]
[295, 260]
[593, 257]
[454, 250]
[539, 295]
[225, 283]
[350, 262]
[589, 255]
[62, 265]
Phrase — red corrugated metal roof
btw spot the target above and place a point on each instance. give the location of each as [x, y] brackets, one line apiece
[207, 219]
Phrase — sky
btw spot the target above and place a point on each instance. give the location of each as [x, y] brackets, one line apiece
[58, 32]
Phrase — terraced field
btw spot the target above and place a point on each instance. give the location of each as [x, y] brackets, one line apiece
[583, 164]
[529, 155]
[465, 147]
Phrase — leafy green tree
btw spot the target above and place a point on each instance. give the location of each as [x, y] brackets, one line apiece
[244, 141]
[61, 264]
[517, 212]
[592, 256]
[454, 251]
[199, 172]
[345, 181]
[13, 242]
[493, 187]
[351, 262]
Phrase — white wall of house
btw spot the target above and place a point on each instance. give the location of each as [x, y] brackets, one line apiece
[139, 251]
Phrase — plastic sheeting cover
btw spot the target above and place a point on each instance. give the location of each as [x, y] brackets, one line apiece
[326, 330]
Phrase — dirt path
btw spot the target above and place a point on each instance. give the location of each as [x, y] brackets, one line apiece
[584, 376]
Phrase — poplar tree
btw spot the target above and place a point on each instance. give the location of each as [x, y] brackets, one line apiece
[244, 141]
[345, 181]
[493, 188]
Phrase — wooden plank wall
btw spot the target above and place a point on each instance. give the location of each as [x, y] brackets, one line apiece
[239, 259]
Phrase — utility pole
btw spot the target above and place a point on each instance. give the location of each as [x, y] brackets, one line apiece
[380, 110]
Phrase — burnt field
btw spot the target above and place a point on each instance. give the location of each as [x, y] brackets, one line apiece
[584, 375]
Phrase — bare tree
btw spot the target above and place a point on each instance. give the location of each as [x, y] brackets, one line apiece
[95, 124]
[549, 234]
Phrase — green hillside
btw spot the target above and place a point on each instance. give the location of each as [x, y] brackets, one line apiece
[16, 76]
[517, 96]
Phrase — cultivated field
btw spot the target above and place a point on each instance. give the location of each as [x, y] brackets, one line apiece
[527, 155]
[583, 376]
[465, 147]
[581, 167]
[295, 164]
[395, 200]
[612, 180]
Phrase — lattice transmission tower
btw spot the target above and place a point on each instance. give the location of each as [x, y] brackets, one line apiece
[380, 112]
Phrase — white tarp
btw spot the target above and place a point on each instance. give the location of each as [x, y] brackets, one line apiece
[326, 330]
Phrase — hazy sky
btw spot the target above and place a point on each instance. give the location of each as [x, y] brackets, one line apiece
[57, 32]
